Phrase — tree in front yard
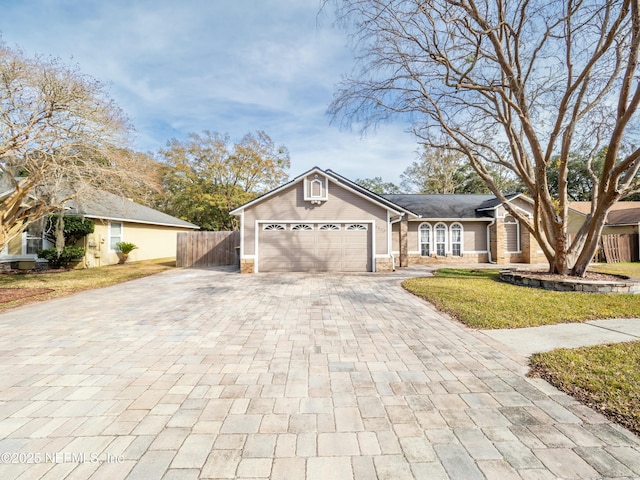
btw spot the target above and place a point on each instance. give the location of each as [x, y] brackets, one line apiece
[522, 86]
[60, 136]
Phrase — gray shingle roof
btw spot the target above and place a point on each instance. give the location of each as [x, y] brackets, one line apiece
[112, 207]
[444, 206]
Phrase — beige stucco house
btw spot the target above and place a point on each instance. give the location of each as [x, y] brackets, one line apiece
[321, 221]
[116, 219]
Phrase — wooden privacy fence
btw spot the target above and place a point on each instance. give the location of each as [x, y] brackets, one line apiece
[207, 249]
[620, 248]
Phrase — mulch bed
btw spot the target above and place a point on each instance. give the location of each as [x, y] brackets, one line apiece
[11, 294]
[594, 276]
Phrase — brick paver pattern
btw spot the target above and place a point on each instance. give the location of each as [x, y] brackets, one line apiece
[210, 374]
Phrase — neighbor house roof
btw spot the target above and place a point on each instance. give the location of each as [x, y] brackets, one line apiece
[621, 213]
[107, 206]
[450, 206]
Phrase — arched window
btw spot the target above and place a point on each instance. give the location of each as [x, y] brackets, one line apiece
[424, 239]
[301, 226]
[356, 226]
[273, 226]
[441, 240]
[456, 240]
[329, 226]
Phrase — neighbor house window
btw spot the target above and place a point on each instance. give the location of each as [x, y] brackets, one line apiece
[33, 238]
[456, 240]
[115, 234]
[425, 240]
[441, 240]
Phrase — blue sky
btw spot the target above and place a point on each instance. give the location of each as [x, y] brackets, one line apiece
[226, 66]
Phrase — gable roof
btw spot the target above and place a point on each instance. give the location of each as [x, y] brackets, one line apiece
[621, 213]
[449, 206]
[107, 206]
[336, 179]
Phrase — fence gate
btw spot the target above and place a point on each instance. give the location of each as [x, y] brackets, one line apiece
[207, 249]
[620, 248]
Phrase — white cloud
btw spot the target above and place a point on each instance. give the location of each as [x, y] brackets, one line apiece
[178, 67]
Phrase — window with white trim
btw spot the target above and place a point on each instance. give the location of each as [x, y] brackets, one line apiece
[315, 187]
[441, 240]
[357, 226]
[456, 240]
[329, 226]
[273, 226]
[302, 226]
[33, 238]
[511, 234]
[115, 235]
[424, 239]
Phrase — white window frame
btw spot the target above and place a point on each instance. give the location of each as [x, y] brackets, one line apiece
[301, 227]
[322, 183]
[329, 227]
[435, 239]
[112, 246]
[429, 241]
[517, 224]
[359, 227]
[461, 242]
[273, 227]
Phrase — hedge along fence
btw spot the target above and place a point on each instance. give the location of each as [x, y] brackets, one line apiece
[207, 249]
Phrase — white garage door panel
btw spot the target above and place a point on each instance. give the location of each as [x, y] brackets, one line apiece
[314, 250]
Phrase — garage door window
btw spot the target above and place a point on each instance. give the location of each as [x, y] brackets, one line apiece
[273, 226]
[329, 226]
[356, 226]
[302, 226]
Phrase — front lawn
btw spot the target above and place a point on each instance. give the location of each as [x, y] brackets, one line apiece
[628, 269]
[478, 299]
[14, 287]
[605, 377]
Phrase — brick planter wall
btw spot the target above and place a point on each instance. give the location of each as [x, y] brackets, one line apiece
[570, 285]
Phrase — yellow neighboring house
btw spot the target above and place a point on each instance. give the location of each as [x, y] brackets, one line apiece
[116, 220]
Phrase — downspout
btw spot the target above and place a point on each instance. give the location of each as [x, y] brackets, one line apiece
[393, 259]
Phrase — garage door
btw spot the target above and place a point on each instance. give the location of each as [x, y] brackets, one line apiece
[319, 247]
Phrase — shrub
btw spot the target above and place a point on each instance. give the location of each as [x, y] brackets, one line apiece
[63, 260]
[126, 247]
[75, 227]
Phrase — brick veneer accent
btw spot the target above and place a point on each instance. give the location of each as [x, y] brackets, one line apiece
[247, 265]
[384, 264]
[404, 242]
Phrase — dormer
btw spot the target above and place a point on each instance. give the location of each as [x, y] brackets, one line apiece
[316, 188]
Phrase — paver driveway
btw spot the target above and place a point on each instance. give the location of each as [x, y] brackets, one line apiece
[207, 374]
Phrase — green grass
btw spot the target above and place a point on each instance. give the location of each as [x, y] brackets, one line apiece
[605, 377]
[628, 269]
[72, 281]
[478, 299]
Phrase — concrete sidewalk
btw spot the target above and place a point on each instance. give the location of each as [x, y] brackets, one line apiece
[527, 341]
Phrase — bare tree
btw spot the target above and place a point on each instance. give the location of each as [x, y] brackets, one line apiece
[58, 137]
[515, 84]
